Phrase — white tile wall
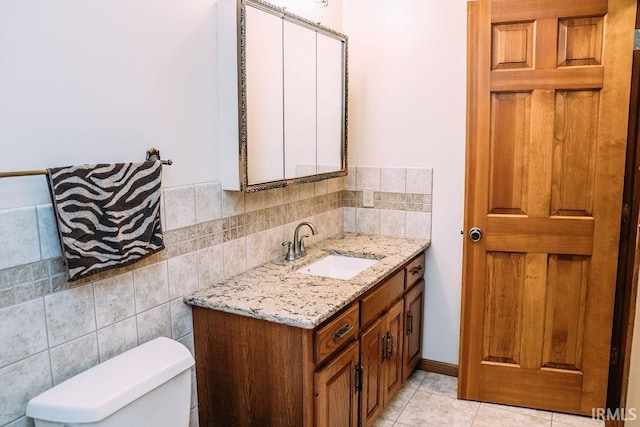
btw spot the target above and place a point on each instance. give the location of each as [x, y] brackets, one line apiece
[208, 201]
[274, 197]
[254, 201]
[182, 280]
[390, 222]
[70, 314]
[22, 247]
[349, 220]
[273, 242]
[351, 178]
[73, 357]
[291, 194]
[321, 188]
[210, 266]
[256, 249]
[181, 319]
[393, 180]
[23, 331]
[418, 225]
[235, 257]
[22, 381]
[117, 338]
[52, 336]
[419, 180]
[180, 207]
[154, 323]
[232, 203]
[368, 177]
[151, 286]
[114, 299]
[307, 190]
[367, 221]
[48, 231]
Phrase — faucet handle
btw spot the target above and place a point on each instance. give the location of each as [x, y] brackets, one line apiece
[290, 254]
[303, 251]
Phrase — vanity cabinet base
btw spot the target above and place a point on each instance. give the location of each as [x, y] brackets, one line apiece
[251, 371]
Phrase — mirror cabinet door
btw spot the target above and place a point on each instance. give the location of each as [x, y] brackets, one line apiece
[281, 97]
[330, 103]
[265, 160]
[299, 101]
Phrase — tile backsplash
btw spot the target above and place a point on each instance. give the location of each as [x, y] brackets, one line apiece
[402, 201]
[51, 329]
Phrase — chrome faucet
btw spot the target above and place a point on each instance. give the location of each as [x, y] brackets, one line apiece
[297, 250]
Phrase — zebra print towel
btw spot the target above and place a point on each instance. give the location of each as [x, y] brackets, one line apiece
[108, 215]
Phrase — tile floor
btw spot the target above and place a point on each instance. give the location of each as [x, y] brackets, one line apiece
[429, 399]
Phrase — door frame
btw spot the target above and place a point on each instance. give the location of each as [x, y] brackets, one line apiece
[629, 252]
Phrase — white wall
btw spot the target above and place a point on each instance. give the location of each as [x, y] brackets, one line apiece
[407, 65]
[88, 81]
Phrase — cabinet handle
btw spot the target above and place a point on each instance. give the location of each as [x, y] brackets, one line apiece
[389, 346]
[417, 270]
[409, 323]
[358, 378]
[385, 344]
[340, 333]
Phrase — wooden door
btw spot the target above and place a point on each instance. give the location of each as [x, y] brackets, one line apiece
[392, 365]
[548, 89]
[336, 398]
[371, 348]
[413, 307]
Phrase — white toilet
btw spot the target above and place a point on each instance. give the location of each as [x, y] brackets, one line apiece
[149, 385]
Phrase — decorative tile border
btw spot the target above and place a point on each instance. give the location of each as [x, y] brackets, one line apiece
[280, 207]
[392, 201]
[27, 282]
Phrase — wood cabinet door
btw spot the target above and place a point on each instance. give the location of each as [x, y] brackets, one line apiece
[371, 348]
[414, 309]
[548, 90]
[392, 364]
[335, 394]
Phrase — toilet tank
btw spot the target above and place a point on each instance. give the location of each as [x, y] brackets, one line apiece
[149, 385]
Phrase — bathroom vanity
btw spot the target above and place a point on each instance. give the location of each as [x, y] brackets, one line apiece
[278, 346]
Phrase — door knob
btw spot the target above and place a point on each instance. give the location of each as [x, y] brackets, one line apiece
[475, 234]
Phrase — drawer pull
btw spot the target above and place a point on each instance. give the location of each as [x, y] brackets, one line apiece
[342, 332]
[389, 345]
[417, 270]
[409, 323]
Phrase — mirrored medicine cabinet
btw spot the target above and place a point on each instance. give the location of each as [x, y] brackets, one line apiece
[282, 87]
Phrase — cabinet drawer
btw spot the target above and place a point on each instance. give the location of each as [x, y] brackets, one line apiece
[415, 270]
[384, 295]
[333, 335]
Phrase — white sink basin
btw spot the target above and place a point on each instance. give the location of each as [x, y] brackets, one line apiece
[337, 266]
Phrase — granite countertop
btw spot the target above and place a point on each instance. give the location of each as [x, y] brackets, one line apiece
[275, 292]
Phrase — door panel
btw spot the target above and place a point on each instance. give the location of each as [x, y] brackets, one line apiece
[392, 366]
[503, 302]
[336, 399]
[574, 153]
[371, 359]
[546, 130]
[510, 152]
[414, 313]
[565, 308]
